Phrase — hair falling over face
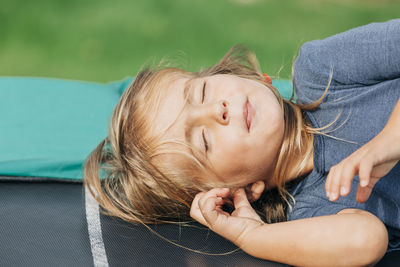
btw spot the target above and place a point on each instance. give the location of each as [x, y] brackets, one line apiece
[127, 177]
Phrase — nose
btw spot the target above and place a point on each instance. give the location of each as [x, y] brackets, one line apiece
[217, 111]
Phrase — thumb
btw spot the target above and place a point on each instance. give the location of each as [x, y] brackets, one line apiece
[240, 199]
[363, 194]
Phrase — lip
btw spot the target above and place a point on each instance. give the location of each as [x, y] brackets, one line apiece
[248, 114]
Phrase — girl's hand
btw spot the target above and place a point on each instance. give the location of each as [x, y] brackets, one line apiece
[207, 209]
[371, 162]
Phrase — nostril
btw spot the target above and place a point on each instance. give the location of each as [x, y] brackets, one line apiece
[224, 110]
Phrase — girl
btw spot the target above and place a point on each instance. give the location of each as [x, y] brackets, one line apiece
[225, 137]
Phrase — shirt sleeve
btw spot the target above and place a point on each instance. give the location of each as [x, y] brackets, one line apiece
[311, 200]
[362, 56]
[315, 206]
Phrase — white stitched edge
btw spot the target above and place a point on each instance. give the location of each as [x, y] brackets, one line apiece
[94, 229]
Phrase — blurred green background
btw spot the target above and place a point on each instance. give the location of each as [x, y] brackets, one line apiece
[104, 40]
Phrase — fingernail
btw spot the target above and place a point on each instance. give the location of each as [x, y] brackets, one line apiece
[343, 190]
[363, 183]
[332, 196]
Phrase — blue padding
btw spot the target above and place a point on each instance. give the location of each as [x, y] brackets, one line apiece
[49, 126]
[285, 87]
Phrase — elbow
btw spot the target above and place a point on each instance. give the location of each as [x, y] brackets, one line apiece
[372, 241]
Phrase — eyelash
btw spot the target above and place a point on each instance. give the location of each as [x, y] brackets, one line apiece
[203, 92]
[204, 140]
[202, 101]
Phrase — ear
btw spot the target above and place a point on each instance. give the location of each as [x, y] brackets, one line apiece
[255, 190]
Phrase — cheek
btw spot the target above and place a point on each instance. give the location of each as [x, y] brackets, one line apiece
[232, 143]
[236, 156]
[233, 157]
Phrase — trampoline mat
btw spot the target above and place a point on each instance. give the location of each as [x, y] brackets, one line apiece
[46, 224]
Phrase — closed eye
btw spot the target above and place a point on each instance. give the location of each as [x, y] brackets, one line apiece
[204, 141]
[203, 92]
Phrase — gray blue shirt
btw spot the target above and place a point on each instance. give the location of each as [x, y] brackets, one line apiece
[365, 87]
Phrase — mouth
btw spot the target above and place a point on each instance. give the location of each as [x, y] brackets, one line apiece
[248, 114]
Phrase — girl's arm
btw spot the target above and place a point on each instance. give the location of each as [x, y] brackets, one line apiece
[349, 238]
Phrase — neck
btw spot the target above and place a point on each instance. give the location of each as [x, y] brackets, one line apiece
[308, 164]
[296, 164]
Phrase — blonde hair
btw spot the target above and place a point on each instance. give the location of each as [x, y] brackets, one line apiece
[125, 177]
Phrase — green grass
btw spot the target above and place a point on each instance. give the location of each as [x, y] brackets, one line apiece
[107, 40]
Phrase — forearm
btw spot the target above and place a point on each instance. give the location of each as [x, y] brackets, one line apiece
[342, 240]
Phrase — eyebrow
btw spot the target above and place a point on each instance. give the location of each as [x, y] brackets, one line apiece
[186, 90]
[188, 130]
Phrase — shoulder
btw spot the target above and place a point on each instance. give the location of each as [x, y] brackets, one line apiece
[359, 56]
[311, 71]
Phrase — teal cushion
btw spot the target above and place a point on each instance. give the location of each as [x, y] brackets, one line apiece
[49, 126]
[285, 87]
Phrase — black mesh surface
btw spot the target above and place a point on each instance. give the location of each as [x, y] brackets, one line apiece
[128, 245]
[44, 224]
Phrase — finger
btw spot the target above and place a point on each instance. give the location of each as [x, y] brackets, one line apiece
[216, 192]
[243, 207]
[328, 181]
[211, 211]
[195, 202]
[333, 185]
[240, 199]
[365, 172]
[195, 211]
[207, 204]
[339, 183]
[346, 179]
[219, 201]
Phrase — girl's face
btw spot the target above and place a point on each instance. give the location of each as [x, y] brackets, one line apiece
[236, 123]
